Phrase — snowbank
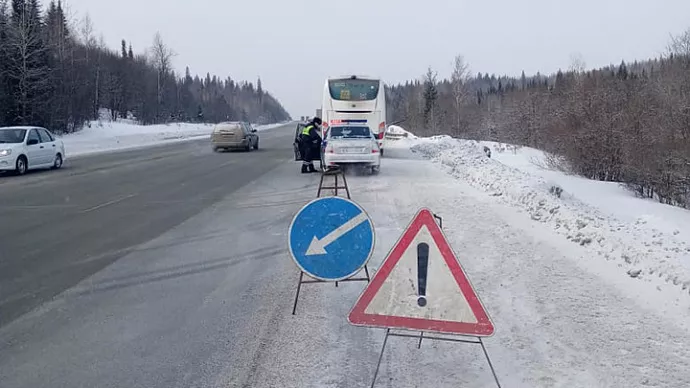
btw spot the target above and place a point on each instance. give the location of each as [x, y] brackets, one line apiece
[126, 134]
[647, 239]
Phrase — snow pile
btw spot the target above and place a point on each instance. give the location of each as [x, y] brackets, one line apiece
[608, 197]
[127, 134]
[643, 251]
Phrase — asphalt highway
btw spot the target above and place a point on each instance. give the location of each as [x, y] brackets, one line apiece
[59, 227]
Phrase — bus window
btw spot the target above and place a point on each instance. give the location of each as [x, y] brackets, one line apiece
[353, 89]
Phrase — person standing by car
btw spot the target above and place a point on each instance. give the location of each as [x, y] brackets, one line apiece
[310, 145]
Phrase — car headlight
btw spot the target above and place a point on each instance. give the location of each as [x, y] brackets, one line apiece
[5, 152]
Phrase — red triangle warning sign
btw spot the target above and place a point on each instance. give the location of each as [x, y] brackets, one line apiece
[421, 286]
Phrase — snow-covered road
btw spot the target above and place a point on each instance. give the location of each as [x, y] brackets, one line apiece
[209, 302]
[562, 319]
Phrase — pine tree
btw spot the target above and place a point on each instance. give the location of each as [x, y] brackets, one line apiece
[430, 97]
[260, 93]
[622, 71]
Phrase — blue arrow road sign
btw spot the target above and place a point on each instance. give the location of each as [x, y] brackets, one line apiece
[331, 238]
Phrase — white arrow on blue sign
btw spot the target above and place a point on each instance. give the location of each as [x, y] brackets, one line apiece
[331, 238]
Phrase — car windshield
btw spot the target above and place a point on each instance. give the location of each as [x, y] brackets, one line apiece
[12, 135]
[350, 132]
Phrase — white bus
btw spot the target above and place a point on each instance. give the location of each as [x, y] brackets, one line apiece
[355, 99]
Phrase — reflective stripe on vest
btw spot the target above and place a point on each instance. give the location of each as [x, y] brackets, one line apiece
[305, 130]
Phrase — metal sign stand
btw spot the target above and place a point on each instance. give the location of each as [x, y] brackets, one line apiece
[335, 173]
[302, 281]
[478, 341]
[421, 336]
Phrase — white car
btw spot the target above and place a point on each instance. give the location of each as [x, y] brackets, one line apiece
[351, 145]
[28, 148]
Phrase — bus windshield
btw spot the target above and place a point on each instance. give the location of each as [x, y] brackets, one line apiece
[353, 89]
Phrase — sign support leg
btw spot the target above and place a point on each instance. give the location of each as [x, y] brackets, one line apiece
[440, 220]
[347, 189]
[302, 281]
[299, 285]
[318, 193]
[378, 364]
[493, 371]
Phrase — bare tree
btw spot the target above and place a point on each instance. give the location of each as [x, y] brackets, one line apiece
[680, 44]
[70, 16]
[26, 68]
[162, 59]
[87, 35]
[577, 63]
[162, 54]
[459, 78]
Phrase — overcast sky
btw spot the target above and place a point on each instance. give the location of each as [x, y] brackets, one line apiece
[295, 45]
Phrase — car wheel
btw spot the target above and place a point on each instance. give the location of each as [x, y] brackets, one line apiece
[58, 162]
[375, 170]
[21, 165]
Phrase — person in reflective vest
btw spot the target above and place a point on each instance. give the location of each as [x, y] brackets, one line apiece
[310, 145]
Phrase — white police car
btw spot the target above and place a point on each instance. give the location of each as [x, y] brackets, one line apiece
[351, 145]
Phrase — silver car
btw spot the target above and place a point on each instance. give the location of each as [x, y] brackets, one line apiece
[234, 135]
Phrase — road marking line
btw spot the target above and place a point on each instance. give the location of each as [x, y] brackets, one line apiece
[29, 207]
[108, 203]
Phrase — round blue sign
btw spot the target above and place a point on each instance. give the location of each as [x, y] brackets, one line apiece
[331, 238]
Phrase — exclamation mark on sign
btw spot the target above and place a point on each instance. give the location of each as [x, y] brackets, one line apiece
[422, 265]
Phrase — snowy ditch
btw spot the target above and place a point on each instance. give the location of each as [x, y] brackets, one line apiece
[643, 252]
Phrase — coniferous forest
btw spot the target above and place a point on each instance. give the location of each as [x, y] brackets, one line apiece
[60, 76]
